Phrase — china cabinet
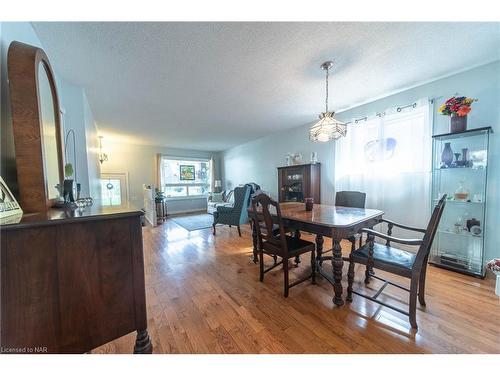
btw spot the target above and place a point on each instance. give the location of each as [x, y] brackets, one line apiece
[460, 169]
[297, 182]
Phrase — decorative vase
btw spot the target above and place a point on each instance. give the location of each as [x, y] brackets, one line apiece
[465, 157]
[447, 155]
[458, 124]
[68, 191]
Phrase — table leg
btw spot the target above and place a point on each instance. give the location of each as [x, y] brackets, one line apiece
[319, 248]
[297, 258]
[143, 343]
[255, 242]
[337, 264]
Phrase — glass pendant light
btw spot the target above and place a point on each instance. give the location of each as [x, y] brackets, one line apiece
[327, 128]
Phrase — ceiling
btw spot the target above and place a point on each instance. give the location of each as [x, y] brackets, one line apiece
[211, 86]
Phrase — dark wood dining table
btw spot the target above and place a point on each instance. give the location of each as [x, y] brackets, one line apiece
[334, 222]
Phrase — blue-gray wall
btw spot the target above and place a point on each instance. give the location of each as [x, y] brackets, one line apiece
[257, 160]
[72, 100]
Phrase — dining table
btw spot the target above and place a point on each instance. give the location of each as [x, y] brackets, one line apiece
[335, 222]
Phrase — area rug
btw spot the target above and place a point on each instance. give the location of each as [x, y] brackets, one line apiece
[194, 222]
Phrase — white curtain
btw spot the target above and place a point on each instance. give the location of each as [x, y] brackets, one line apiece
[388, 156]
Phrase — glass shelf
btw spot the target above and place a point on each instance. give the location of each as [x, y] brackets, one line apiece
[464, 251]
[463, 234]
[459, 202]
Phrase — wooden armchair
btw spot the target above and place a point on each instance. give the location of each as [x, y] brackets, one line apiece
[274, 242]
[396, 261]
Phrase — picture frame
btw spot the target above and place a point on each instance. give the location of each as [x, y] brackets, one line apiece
[10, 211]
[187, 172]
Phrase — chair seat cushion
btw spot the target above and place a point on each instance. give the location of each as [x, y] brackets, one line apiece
[386, 255]
[296, 246]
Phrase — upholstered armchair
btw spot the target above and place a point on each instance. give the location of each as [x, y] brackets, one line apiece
[236, 215]
[215, 200]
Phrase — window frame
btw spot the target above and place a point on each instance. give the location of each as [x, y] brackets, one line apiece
[186, 184]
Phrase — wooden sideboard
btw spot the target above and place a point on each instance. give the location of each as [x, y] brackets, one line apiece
[72, 281]
[296, 182]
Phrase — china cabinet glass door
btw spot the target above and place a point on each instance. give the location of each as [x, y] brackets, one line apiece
[460, 167]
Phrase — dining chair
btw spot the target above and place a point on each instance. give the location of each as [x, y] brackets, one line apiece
[274, 241]
[354, 199]
[396, 261]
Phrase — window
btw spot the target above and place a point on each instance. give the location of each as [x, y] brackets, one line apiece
[185, 177]
[113, 189]
[389, 158]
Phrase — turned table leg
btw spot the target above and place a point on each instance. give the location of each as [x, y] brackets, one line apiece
[319, 248]
[255, 242]
[337, 264]
[143, 343]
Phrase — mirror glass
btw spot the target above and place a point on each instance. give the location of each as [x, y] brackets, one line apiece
[49, 131]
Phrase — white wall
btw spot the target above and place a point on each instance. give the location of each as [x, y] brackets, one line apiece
[257, 160]
[72, 100]
[139, 163]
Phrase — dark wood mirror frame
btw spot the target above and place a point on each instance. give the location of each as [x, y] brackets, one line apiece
[23, 62]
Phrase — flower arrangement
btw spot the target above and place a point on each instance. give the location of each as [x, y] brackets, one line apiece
[458, 106]
[494, 266]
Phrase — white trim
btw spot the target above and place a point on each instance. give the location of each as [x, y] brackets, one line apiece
[187, 211]
[186, 198]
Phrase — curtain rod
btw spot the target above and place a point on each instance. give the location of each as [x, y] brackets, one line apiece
[413, 105]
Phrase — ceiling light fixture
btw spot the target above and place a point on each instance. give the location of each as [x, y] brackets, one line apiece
[327, 128]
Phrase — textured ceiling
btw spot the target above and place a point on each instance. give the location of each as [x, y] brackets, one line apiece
[211, 86]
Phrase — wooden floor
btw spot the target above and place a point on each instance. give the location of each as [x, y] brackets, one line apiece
[203, 296]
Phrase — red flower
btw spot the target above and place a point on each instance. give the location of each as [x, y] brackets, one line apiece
[463, 111]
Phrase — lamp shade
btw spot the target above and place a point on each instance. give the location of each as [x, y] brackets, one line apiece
[327, 128]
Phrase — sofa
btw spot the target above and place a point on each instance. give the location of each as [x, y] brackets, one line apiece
[223, 199]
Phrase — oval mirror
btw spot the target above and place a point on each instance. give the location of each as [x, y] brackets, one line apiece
[36, 126]
[49, 133]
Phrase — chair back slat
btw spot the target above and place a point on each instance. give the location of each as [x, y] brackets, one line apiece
[265, 232]
[355, 199]
[423, 251]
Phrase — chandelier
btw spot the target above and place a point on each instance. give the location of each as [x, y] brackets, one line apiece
[327, 128]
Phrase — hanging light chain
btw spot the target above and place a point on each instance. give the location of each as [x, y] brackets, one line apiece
[326, 100]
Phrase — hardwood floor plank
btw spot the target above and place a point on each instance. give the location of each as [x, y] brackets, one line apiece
[204, 296]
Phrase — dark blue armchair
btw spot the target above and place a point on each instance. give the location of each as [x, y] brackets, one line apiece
[237, 214]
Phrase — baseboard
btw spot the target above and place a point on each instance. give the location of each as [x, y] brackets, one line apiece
[187, 211]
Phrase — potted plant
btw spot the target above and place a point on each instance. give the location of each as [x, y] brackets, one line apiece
[68, 183]
[457, 108]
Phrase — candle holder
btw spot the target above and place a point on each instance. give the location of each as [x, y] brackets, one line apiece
[309, 202]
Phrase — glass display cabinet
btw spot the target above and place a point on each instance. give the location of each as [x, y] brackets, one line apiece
[297, 182]
[460, 168]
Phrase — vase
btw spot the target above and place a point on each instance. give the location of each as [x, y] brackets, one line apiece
[497, 287]
[458, 124]
[465, 157]
[68, 191]
[447, 155]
